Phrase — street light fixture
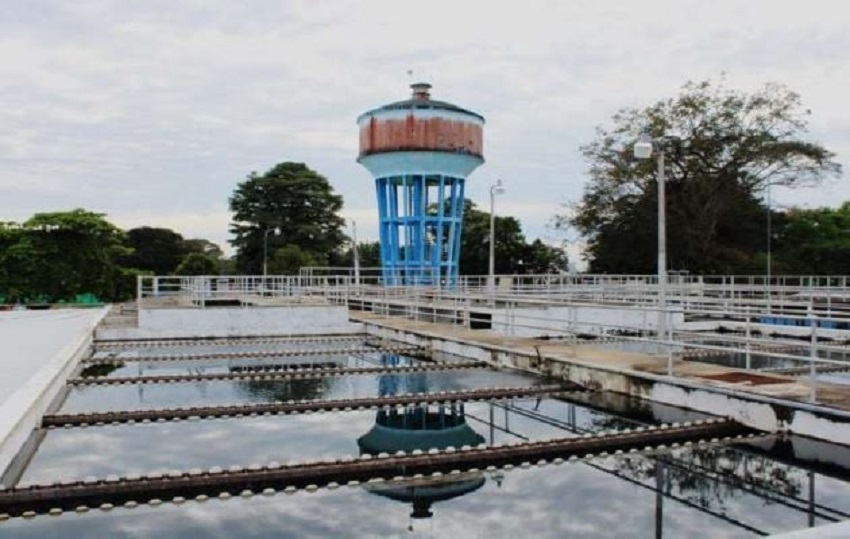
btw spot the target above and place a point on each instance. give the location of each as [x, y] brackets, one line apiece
[496, 189]
[268, 231]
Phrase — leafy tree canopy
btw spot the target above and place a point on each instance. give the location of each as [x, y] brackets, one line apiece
[293, 199]
[732, 145]
[512, 253]
[368, 252]
[813, 242]
[198, 264]
[59, 255]
[156, 250]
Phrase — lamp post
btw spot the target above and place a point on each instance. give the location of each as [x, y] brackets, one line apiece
[266, 249]
[355, 254]
[769, 238]
[643, 150]
[495, 189]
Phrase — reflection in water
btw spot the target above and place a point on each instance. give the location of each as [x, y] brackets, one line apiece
[421, 427]
[764, 486]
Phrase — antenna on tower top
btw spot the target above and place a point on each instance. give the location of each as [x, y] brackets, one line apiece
[410, 74]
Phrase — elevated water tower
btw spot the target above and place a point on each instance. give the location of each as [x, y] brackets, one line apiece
[420, 152]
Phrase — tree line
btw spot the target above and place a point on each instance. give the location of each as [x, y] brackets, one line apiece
[78, 256]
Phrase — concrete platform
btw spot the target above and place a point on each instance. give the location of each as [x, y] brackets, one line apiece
[38, 349]
[768, 402]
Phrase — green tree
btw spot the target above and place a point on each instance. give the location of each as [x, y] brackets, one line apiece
[200, 245]
[538, 257]
[287, 260]
[368, 252]
[733, 145]
[198, 264]
[155, 250]
[14, 277]
[295, 199]
[813, 242]
[57, 256]
[475, 242]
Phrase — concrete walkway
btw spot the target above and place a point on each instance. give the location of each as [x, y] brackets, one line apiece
[608, 356]
[38, 349]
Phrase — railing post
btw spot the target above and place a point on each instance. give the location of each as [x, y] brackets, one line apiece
[747, 335]
[813, 356]
[668, 345]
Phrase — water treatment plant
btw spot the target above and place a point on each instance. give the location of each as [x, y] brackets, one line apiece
[324, 407]
[423, 402]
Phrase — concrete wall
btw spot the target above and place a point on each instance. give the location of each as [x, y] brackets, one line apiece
[235, 321]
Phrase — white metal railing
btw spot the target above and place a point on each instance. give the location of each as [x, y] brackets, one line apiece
[624, 307]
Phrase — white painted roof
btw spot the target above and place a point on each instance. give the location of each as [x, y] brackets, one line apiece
[29, 340]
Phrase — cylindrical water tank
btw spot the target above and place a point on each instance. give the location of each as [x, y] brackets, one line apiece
[420, 152]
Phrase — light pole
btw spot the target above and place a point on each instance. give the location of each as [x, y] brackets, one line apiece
[355, 254]
[769, 238]
[266, 249]
[643, 150]
[495, 189]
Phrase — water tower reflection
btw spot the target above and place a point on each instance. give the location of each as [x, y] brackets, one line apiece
[420, 427]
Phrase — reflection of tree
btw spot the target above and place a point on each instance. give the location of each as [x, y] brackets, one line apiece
[709, 477]
[284, 390]
[100, 369]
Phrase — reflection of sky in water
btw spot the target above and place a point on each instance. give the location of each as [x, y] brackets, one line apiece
[570, 500]
[144, 448]
[130, 352]
[215, 393]
[209, 366]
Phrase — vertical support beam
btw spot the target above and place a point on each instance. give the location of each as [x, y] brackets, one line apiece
[492, 424]
[458, 219]
[451, 247]
[395, 247]
[812, 504]
[440, 230]
[748, 334]
[659, 498]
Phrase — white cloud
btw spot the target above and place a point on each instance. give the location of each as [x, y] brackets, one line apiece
[154, 111]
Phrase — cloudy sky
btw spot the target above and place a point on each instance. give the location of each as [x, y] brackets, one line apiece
[152, 111]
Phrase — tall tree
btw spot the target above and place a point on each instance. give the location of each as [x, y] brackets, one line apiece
[293, 199]
[733, 145]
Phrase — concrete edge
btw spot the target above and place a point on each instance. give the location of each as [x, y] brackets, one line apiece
[23, 409]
